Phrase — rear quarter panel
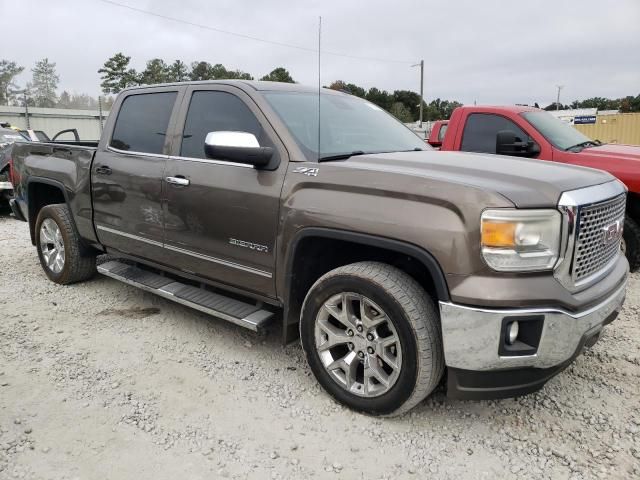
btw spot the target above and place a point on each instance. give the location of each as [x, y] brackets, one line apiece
[66, 167]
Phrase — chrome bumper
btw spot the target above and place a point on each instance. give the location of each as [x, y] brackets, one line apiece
[472, 336]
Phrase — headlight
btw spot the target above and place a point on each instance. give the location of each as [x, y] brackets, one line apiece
[520, 240]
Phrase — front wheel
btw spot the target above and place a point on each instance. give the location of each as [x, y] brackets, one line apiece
[631, 243]
[372, 338]
[62, 255]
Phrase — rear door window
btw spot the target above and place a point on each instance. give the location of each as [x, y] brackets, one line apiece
[214, 111]
[481, 130]
[142, 122]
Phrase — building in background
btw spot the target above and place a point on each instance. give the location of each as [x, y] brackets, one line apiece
[52, 120]
[608, 126]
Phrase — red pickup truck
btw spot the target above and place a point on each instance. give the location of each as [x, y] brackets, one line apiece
[533, 133]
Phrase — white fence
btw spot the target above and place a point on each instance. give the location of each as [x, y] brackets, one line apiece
[51, 120]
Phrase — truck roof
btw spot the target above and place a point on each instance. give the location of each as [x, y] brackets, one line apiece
[499, 108]
[258, 85]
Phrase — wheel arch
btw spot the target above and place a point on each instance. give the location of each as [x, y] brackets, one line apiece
[40, 193]
[314, 251]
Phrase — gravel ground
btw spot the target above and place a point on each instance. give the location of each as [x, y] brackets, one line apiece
[101, 380]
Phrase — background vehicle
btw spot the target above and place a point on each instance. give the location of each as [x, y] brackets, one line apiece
[533, 133]
[7, 138]
[438, 131]
[392, 262]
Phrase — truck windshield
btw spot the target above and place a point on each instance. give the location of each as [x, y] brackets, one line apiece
[560, 134]
[350, 125]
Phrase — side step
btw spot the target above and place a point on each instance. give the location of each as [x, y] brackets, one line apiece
[253, 317]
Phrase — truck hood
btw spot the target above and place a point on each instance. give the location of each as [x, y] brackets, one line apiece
[622, 161]
[526, 183]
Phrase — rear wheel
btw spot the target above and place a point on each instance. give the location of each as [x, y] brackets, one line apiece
[631, 243]
[62, 255]
[372, 338]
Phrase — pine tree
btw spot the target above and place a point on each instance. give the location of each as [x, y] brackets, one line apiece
[178, 72]
[45, 82]
[8, 71]
[116, 74]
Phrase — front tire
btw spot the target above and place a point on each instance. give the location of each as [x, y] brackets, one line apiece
[631, 243]
[62, 255]
[372, 338]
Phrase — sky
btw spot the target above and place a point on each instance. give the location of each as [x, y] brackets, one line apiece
[484, 51]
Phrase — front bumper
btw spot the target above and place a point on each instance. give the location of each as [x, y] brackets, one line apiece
[479, 367]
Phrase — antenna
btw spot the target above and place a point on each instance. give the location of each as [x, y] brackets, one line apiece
[319, 87]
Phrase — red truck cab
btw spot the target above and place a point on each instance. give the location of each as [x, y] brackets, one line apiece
[437, 133]
[529, 132]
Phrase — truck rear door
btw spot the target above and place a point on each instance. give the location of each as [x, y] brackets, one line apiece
[127, 173]
[221, 216]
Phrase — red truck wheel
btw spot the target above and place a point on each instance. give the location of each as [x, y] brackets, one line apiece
[631, 243]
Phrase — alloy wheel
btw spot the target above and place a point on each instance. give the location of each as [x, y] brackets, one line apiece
[358, 344]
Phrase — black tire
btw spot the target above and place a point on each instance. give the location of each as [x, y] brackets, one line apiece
[632, 242]
[416, 322]
[80, 261]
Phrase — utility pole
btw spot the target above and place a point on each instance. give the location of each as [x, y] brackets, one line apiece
[559, 87]
[421, 65]
[26, 110]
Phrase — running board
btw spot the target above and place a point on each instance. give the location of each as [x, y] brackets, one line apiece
[253, 317]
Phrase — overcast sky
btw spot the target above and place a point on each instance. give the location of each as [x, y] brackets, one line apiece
[491, 51]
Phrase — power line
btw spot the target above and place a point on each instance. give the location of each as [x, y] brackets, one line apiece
[247, 37]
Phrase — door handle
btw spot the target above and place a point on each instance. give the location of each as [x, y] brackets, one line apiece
[179, 180]
[103, 170]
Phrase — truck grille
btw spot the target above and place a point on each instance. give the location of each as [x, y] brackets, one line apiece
[595, 246]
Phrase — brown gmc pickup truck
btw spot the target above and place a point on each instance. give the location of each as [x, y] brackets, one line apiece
[393, 263]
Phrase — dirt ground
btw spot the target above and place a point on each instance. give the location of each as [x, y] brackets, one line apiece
[101, 380]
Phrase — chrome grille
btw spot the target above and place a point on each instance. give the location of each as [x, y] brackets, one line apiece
[592, 252]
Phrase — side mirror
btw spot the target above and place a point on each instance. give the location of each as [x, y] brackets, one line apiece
[509, 143]
[239, 147]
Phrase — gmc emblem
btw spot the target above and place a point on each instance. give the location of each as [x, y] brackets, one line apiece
[612, 232]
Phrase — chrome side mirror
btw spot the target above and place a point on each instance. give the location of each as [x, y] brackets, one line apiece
[239, 147]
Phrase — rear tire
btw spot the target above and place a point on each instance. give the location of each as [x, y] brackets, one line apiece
[372, 338]
[62, 255]
[631, 239]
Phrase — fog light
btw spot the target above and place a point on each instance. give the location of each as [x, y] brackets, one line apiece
[512, 332]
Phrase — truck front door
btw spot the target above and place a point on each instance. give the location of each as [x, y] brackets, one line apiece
[221, 216]
[127, 174]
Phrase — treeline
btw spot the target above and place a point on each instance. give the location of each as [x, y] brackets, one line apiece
[41, 90]
[624, 104]
[117, 74]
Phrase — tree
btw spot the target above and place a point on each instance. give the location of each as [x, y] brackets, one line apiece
[338, 85]
[279, 74]
[201, 71]
[411, 100]
[65, 100]
[157, 71]
[116, 74]
[380, 97]
[45, 82]
[8, 71]
[401, 112]
[177, 72]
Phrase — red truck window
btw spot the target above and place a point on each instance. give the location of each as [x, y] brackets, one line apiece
[481, 129]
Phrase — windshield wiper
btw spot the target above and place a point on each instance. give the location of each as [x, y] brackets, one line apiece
[341, 156]
[593, 143]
